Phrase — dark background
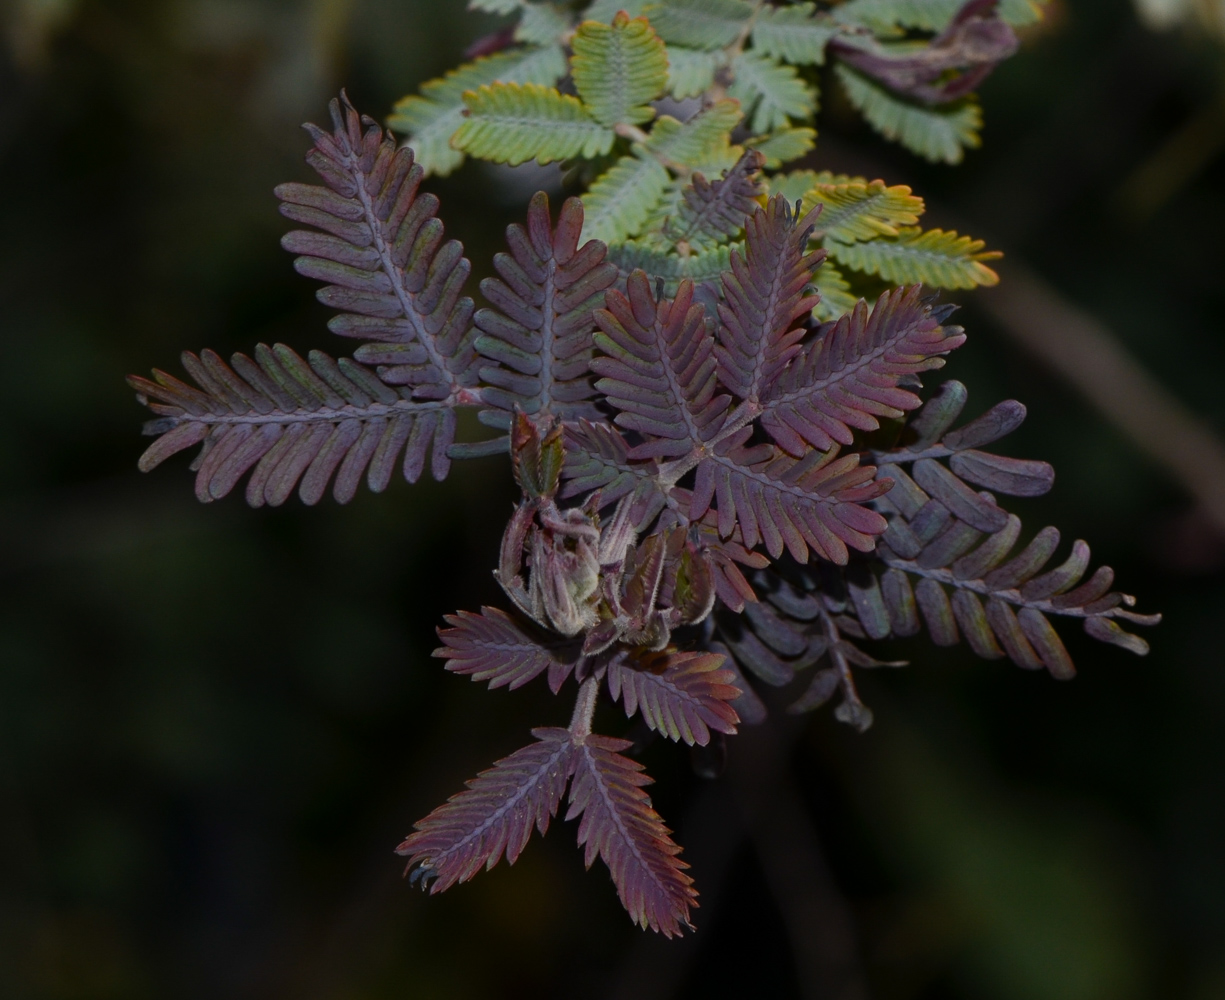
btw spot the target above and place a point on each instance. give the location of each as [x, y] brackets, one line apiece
[216, 723]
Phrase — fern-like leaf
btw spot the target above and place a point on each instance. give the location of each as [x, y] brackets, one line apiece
[939, 134]
[618, 69]
[849, 378]
[539, 334]
[504, 650]
[695, 144]
[837, 299]
[658, 368]
[700, 24]
[433, 117]
[691, 72]
[597, 458]
[713, 211]
[494, 815]
[771, 93]
[794, 34]
[814, 504]
[784, 145]
[619, 201]
[381, 254]
[856, 210]
[620, 826]
[766, 291]
[513, 123]
[682, 695]
[932, 257]
[291, 422]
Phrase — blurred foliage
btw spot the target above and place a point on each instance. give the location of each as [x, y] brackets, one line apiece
[216, 723]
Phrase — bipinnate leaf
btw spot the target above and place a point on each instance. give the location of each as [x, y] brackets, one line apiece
[850, 377]
[618, 69]
[292, 422]
[766, 292]
[657, 368]
[538, 335]
[682, 695]
[494, 815]
[620, 826]
[504, 650]
[513, 123]
[933, 257]
[379, 249]
[433, 117]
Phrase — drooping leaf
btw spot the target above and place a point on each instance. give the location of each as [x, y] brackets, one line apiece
[863, 211]
[619, 201]
[766, 292]
[771, 93]
[293, 423]
[939, 134]
[657, 368]
[431, 119]
[794, 34]
[849, 378]
[932, 257]
[513, 123]
[620, 826]
[618, 69]
[682, 695]
[504, 650]
[700, 24]
[539, 333]
[494, 815]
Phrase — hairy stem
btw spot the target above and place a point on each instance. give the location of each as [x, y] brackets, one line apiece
[584, 709]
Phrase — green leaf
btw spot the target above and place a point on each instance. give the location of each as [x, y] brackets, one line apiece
[700, 24]
[935, 257]
[513, 123]
[670, 267]
[542, 23]
[431, 119]
[618, 68]
[621, 200]
[886, 16]
[836, 296]
[935, 133]
[784, 144]
[700, 142]
[863, 211]
[690, 72]
[794, 34]
[795, 185]
[496, 6]
[606, 10]
[773, 92]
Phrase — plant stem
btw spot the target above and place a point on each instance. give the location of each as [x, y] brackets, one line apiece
[584, 709]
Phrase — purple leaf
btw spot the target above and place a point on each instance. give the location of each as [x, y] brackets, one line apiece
[538, 336]
[848, 378]
[619, 826]
[766, 291]
[495, 814]
[713, 211]
[682, 695]
[504, 650]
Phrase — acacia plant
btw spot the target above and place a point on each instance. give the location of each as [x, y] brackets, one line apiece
[705, 373]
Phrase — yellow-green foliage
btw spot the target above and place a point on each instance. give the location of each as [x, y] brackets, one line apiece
[935, 257]
[862, 210]
[618, 69]
[513, 123]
